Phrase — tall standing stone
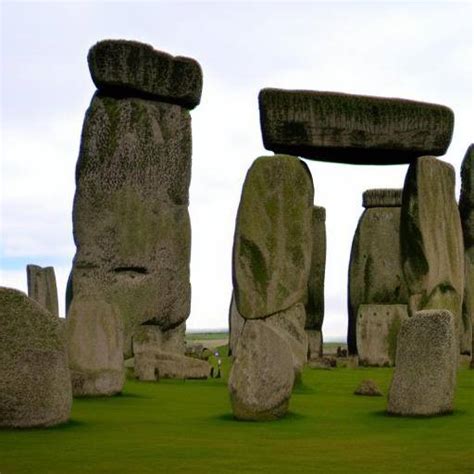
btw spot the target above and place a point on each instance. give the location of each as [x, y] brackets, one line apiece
[375, 269]
[271, 262]
[42, 287]
[35, 386]
[424, 379]
[315, 303]
[130, 218]
[431, 239]
[466, 209]
[347, 128]
[236, 324]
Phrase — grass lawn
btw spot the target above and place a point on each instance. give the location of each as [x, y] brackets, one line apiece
[187, 426]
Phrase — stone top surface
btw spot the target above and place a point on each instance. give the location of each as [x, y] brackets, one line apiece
[130, 68]
[382, 198]
[356, 129]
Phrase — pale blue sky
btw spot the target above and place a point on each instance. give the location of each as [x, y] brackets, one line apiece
[420, 51]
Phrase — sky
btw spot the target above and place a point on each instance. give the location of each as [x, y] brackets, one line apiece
[414, 50]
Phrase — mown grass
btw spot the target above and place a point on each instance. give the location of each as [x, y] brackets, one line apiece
[187, 427]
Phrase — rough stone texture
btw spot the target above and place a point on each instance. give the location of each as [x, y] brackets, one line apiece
[262, 376]
[95, 344]
[368, 388]
[431, 239]
[130, 216]
[273, 236]
[42, 287]
[382, 198]
[151, 365]
[315, 344]
[345, 128]
[35, 386]
[289, 324]
[375, 269]
[315, 302]
[129, 68]
[466, 209]
[425, 372]
[377, 333]
[325, 363]
[148, 337]
[236, 324]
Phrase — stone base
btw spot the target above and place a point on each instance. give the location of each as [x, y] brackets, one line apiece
[315, 343]
[101, 383]
[377, 332]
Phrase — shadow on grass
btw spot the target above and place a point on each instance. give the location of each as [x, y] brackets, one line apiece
[109, 399]
[290, 417]
[385, 414]
[70, 424]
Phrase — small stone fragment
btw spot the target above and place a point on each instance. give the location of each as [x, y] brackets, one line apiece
[346, 128]
[368, 388]
[35, 385]
[42, 287]
[95, 340]
[377, 333]
[424, 379]
[129, 68]
[262, 376]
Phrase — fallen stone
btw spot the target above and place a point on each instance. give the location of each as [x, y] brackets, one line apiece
[322, 363]
[262, 376]
[424, 379]
[431, 239]
[130, 217]
[95, 345]
[128, 68]
[466, 209]
[42, 287]
[377, 333]
[368, 388]
[347, 362]
[315, 302]
[346, 128]
[273, 237]
[35, 386]
[375, 268]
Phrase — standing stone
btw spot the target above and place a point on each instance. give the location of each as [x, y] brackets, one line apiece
[431, 239]
[273, 236]
[35, 386]
[95, 336]
[377, 333]
[466, 209]
[262, 375]
[375, 269]
[346, 128]
[424, 379]
[42, 287]
[315, 303]
[236, 324]
[130, 219]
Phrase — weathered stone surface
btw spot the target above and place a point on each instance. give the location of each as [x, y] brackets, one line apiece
[151, 365]
[262, 376]
[431, 239]
[273, 237]
[382, 198]
[35, 386]
[375, 269]
[368, 388]
[425, 371]
[236, 324]
[42, 287]
[148, 337]
[377, 333]
[129, 68]
[345, 128]
[466, 209]
[95, 345]
[315, 343]
[315, 302]
[130, 217]
[289, 324]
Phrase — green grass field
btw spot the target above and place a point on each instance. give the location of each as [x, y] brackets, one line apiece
[187, 427]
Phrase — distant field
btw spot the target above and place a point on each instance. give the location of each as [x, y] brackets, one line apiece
[187, 427]
[206, 336]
